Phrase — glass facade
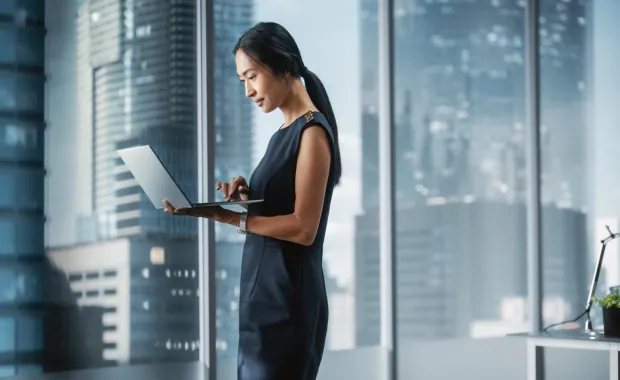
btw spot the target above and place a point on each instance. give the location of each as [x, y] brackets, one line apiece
[122, 74]
[22, 172]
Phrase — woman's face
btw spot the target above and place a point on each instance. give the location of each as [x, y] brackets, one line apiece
[266, 89]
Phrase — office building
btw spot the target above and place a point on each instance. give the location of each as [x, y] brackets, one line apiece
[148, 291]
[22, 172]
[136, 81]
[134, 74]
[446, 260]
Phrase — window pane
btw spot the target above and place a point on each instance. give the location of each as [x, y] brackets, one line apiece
[460, 184]
[21, 140]
[13, 192]
[7, 330]
[7, 41]
[125, 273]
[580, 121]
[29, 334]
[21, 92]
[30, 92]
[21, 45]
[30, 46]
[7, 93]
[338, 54]
[7, 371]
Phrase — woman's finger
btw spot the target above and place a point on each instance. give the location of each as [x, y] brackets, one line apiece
[168, 207]
[239, 185]
[225, 189]
[232, 190]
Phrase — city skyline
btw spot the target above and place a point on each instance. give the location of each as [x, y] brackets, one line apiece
[443, 161]
[127, 256]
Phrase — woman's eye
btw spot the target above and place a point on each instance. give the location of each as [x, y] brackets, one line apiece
[253, 77]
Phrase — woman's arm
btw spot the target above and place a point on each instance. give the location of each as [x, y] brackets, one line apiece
[313, 164]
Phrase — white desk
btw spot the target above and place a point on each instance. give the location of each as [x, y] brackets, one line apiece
[575, 339]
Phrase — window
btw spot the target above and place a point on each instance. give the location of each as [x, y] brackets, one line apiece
[21, 140]
[7, 40]
[460, 180]
[21, 136]
[102, 96]
[28, 45]
[29, 93]
[29, 334]
[7, 93]
[241, 127]
[7, 335]
[143, 31]
[7, 237]
[7, 370]
[578, 134]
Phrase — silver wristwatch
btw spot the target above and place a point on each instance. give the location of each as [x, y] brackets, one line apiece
[243, 222]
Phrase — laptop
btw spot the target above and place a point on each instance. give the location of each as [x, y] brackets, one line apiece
[157, 182]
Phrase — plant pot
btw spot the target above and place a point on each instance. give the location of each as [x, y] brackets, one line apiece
[611, 322]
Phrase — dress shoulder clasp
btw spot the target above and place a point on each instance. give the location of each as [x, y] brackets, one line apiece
[309, 116]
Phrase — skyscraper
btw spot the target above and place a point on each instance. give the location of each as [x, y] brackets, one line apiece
[136, 80]
[22, 172]
[460, 108]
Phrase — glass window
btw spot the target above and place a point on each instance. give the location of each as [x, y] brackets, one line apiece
[30, 46]
[29, 334]
[29, 369]
[7, 331]
[9, 285]
[34, 9]
[6, 7]
[7, 41]
[100, 98]
[21, 92]
[21, 45]
[460, 181]
[243, 131]
[579, 125]
[7, 237]
[29, 93]
[7, 370]
[7, 93]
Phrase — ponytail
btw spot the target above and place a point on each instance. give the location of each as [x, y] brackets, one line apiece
[272, 45]
[319, 97]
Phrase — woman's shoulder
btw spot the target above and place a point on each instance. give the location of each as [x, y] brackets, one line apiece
[316, 118]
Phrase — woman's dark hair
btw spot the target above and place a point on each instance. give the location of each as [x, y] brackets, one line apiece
[271, 45]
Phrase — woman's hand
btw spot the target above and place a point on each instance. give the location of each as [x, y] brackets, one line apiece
[199, 212]
[235, 190]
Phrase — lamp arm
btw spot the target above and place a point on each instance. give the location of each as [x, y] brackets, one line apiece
[597, 272]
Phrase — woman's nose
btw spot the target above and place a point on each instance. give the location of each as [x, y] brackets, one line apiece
[249, 91]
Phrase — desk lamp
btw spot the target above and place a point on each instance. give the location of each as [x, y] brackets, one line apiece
[597, 272]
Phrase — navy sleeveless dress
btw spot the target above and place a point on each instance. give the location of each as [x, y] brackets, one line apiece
[283, 303]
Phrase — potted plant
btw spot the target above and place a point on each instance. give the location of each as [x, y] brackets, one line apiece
[611, 313]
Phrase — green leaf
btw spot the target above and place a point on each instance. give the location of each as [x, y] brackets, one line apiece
[610, 301]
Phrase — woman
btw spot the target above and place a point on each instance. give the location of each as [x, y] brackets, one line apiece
[283, 303]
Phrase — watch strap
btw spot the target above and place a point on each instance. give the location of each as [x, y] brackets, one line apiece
[243, 222]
